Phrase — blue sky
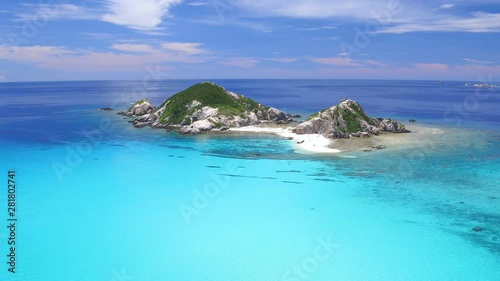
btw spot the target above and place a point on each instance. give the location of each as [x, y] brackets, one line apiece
[204, 39]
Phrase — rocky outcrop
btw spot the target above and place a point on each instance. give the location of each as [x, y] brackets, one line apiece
[204, 107]
[140, 108]
[347, 120]
[276, 115]
[197, 127]
[145, 120]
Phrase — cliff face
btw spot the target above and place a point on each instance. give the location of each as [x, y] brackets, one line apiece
[345, 120]
[204, 107]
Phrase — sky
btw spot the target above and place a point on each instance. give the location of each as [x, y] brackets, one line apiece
[53, 40]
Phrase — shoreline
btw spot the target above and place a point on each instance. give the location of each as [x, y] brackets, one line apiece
[312, 143]
[318, 144]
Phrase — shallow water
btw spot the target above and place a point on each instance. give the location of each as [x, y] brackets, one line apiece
[117, 203]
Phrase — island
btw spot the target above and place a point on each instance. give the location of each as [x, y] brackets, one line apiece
[208, 107]
[347, 120]
[204, 107]
[480, 85]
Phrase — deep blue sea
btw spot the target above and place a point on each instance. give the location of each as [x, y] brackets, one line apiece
[99, 200]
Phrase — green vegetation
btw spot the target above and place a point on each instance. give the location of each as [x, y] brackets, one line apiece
[352, 121]
[208, 94]
[187, 121]
[216, 124]
[139, 102]
[251, 104]
[313, 116]
[352, 117]
[316, 114]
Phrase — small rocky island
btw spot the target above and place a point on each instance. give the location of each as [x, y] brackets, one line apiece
[207, 107]
[347, 120]
[204, 107]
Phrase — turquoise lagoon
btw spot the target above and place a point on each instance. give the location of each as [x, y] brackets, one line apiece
[100, 200]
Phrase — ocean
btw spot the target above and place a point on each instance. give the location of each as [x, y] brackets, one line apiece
[97, 199]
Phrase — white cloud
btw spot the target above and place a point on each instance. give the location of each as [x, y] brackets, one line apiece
[123, 57]
[134, 48]
[477, 22]
[155, 33]
[447, 6]
[198, 3]
[347, 62]
[34, 54]
[326, 27]
[253, 25]
[313, 8]
[187, 48]
[43, 12]
[432, 67]
[329, 27]
[416, 71]
[336, 61]
[283, 60]
[139, 15]
[100, 36]
[373, 62]
[2, 78]
[407, 16]
[477, 61]
[241, 62]
[144, 15]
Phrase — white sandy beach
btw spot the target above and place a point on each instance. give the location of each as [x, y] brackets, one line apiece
[317, 144]
[311, 143]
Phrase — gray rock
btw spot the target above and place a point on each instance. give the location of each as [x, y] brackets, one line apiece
[274, 114]
[193, 104]
[141, 108]
[313, 126]
[145, 120]
[197, 127]
[346, 120]
[204, 113]
[391, 125]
